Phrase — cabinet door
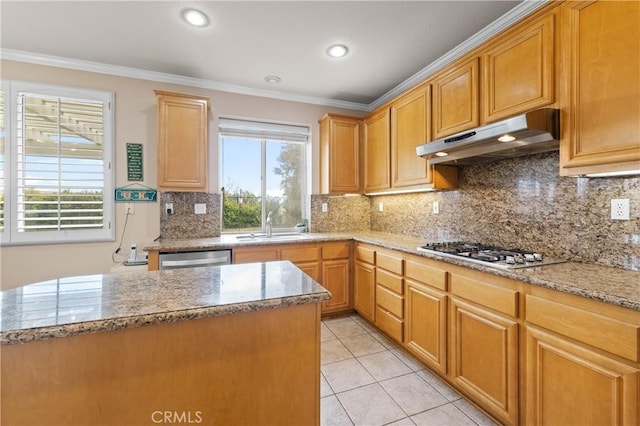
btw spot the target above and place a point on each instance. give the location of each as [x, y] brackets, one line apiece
[483, 358]
[377, 151]
[340, 154]
[518, 71]
[310, 268]
[364, 289]
[335, 278]
[600, 68]
[426, 324]
[182, 142]
[455, 99]
[571, 384]
[410, 127]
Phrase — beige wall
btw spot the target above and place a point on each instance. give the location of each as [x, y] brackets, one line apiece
[136, 123]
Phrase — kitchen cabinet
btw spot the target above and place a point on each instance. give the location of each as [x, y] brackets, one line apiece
[304, 257]
[336, 274]
[483, 343]
[582, 361]
[601, 88]
[364, 275]
[255, 254]
[377, 151]
[340, 157]
[183, 135]
[389, 294]
[410, 127]
[455, 98]
[426, 312]
[519, 69]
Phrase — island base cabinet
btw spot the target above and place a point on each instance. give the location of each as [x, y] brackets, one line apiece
[254, 368]
[483, 358]
[571, 384]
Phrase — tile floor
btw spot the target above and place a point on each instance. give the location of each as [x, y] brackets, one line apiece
[367, 379]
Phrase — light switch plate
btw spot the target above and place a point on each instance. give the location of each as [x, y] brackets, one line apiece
[201, 208]
[325, 207]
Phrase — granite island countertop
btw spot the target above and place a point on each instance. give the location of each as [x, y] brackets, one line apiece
[92, 303]
[610, 285]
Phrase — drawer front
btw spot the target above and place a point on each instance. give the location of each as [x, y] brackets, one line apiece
[390, 301]
[300, 254]
[424, 274]
[336, 251]
[391, 325]
[264, 255]
[614, 336]
[501, 299]
[390, 262]
[365, 254]
[390, 281]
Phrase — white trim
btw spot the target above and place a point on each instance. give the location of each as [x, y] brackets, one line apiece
[117, 70]
[520, 11]
[523, 9]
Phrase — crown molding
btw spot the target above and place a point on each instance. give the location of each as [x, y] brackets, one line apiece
[117, 70]
[520, 11]
[523, 9]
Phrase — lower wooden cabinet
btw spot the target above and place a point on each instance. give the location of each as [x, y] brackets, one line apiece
[572, 384]
[335, 278]
[426, 324]
[255, 254]
[364, 289]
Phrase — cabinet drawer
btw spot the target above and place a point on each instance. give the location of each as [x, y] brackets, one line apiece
[390, 301]
[264, 255]
[389, 262]
[390, 281]
[501, 299]
[428, 275]
[612, 335]
[365, 254]
[336, 251]
[391, 325]
[299, 254]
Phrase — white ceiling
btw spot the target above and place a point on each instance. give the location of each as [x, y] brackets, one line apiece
[389, 41]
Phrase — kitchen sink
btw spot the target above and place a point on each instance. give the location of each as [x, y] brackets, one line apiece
[273, 237]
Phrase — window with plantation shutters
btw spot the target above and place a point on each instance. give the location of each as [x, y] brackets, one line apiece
[60, 183]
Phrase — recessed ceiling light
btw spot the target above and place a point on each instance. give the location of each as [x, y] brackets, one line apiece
[272, 79]
[195, 17]
[441, 154]
[337, 50]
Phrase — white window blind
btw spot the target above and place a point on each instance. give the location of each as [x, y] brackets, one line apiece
[61, 186]
[2, 142]
[261, 130]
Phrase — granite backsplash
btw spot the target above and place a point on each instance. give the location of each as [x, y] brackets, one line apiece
[184, 223]
[519, 202]
[344, 213]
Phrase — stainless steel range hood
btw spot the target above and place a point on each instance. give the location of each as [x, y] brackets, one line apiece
[530, 133]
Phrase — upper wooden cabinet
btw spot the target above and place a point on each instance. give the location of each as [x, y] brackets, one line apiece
[455, 99]
[377, 151]
[410, 127]
[518, 69]
[183, 135]
[601, 87]
[340, 154]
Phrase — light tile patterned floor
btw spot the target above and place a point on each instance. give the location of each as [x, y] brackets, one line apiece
[367, 379]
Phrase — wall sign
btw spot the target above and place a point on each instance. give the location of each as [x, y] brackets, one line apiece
[134, 162]
[129, 195]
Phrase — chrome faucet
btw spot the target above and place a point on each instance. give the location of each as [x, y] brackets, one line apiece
[268, 225]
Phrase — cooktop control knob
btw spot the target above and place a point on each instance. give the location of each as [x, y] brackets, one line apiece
[529, 257]
[538, 257]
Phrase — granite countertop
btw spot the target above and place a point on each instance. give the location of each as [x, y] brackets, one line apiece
[92, 303]
[610, 285]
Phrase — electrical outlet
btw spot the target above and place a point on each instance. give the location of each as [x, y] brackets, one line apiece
[620, 209]
[436, 207]
[130, 208]
[325, 207]
[380, 207]
[200, 208]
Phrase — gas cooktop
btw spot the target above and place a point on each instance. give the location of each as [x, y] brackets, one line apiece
[493, 256]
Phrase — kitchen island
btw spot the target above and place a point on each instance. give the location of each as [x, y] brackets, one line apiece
[235, 344]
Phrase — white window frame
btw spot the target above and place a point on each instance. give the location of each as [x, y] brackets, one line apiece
[11, 236]
[261, 130]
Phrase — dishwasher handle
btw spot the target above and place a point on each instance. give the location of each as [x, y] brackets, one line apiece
[195, 262]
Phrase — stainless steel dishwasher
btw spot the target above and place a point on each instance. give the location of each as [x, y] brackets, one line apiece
[192, 259]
